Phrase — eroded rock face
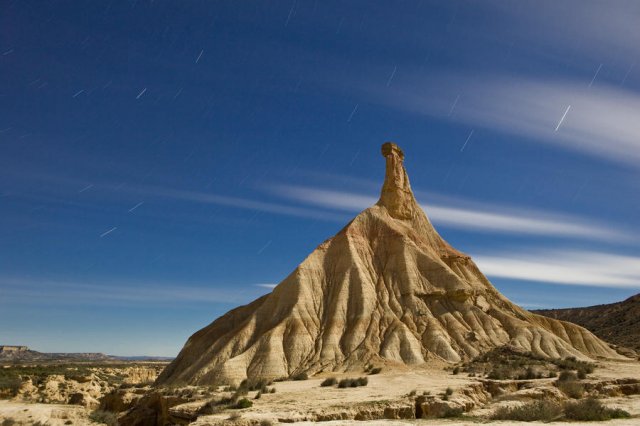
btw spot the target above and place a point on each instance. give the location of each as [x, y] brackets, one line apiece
[387, 288]
[58, 389]
[151, 410]
[86, 390]
[396, 194]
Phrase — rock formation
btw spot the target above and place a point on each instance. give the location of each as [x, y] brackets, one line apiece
[385, 289]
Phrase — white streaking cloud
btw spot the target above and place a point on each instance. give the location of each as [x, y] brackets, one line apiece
[587, 268]
[237, 202]
[603, 120]
[267, 285]
[104, 234]
[481, 217]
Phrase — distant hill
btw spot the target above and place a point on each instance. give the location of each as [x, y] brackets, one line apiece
[9, 353]
[23, 353]
[142, 358]
[617, 323]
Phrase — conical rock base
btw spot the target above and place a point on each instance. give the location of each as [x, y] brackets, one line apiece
[386, 289]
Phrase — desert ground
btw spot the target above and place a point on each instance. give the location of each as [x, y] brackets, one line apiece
[391, 396]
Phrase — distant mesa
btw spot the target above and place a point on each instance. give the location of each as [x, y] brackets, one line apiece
[386, 289]
[7, 349]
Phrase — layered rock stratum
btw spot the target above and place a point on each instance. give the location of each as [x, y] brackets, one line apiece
[385, 289]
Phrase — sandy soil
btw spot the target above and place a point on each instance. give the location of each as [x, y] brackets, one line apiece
[296, 399]
[24, 413]
[441, 422]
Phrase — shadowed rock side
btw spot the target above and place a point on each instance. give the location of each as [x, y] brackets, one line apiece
[386, 288]
[618, 323]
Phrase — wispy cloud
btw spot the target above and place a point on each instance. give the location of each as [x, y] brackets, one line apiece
[338, 206]
[589, 26]
[176, 194]
[33, 290]
[267, 285]
[601, 121]
[464, 215]
[568, 267]
[232, 201]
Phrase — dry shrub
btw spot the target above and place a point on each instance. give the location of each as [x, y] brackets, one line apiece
[105, 417]
[301, 376]
[353, 383]
[591, 409]
[567, 376]
[329, 381]
[571, 388]
[534, 411]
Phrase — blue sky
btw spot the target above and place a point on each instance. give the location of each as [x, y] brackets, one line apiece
[163, 162]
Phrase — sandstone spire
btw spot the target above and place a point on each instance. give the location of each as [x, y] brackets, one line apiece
[385, 289]
[396, 193]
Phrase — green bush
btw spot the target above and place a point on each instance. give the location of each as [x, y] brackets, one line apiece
[591, 409]
[329, 381]
[243, 403]
[448, 391]
[534, 411]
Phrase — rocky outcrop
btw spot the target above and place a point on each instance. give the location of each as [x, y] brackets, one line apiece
[59, 389]
[88, 389]
[139, 375]
[386, 289]
[8, 349]
[119, 400]
[151, 410]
